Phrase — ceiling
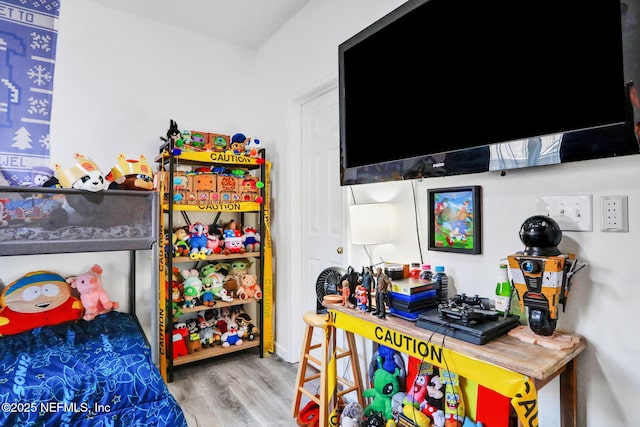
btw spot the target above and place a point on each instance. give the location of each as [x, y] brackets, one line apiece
[248, 23]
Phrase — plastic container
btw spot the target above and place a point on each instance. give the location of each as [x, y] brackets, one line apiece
[414, 272]
[442, 284]
[426, 273]
[503, 290]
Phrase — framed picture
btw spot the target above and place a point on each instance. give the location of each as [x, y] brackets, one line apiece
[455, 219]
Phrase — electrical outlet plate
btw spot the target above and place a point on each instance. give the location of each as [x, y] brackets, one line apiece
[572, 213]
[614, 213]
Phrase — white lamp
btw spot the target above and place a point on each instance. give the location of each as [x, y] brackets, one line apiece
[371, 224]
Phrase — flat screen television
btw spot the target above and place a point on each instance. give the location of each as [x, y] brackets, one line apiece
[443, 87]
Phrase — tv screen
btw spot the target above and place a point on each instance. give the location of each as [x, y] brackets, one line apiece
[427, 89]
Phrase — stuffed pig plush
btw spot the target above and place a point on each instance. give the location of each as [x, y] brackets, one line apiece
[93, 297]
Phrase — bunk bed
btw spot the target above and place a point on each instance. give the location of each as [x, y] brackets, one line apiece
[98, 372]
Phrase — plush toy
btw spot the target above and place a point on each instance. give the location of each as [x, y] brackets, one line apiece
[249, 287]
[131, 174]
[179, 345]
[39, 298]
[454, 409]
[40, 175]
[223, 295]
[433, 405]
[193, 340]
[180, 239]
[94, 298]
[239, 144]
[352, 415]
[418, 392]
[210, 276]
[385, 385]
[246, 329]
[415, 416]
[251, 239]
[233, 243]
[84, 175]
[391, 359]
[198, 238]
[231, 337]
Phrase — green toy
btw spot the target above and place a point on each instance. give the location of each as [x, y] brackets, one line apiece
[385, 385]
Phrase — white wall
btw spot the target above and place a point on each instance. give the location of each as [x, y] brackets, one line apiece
[119, 79]
[601, 306]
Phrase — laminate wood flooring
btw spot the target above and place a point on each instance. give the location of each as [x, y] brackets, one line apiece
[236, 390]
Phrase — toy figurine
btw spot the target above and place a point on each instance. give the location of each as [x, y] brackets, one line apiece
[382, 287]
[367, 281]
[346, 292]
[361, 297]
[353, 279]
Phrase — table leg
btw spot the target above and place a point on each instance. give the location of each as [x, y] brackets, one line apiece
[569, 395]
[328, 379]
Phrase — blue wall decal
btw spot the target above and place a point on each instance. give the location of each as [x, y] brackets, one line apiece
[28, 36]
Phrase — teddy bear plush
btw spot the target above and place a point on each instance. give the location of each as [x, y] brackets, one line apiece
[94, 298]
[249, 287]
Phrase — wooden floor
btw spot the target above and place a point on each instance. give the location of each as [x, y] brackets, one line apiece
[236, 390]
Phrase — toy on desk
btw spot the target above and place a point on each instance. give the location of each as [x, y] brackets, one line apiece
[94, 298]
[131, 174]
[361, 298]
[541, 274]
[367, 281]
[383, 283]
[345, 292]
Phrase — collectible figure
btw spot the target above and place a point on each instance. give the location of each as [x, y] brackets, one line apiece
[382, 287]
[367, 282]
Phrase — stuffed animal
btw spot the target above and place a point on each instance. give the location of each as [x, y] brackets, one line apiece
[94, 298]
[391, 359]
[418, 392]
[210, 275]
[39, 298]
[198, 238]
[249, 287]
[193, 340]
[131, 174]
[385, 385]
[251, 239]
[84, 175]
[231, 337]
[246, 329]
[352, 415]
[433, 405]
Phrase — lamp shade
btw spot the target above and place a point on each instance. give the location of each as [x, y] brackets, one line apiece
[371, 224]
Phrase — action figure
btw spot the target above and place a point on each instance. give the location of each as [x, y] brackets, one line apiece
[367, 282]
[352, 277]
[382, 287]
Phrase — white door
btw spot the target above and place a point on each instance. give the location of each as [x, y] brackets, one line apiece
[322, 200]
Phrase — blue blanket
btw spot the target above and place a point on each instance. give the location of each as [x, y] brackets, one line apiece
[97, 373]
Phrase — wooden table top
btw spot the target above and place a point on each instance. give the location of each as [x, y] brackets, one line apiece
[535, 361]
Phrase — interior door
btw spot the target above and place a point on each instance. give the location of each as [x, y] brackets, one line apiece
[322, 197]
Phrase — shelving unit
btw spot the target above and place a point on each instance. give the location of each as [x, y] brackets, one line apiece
[236, 206]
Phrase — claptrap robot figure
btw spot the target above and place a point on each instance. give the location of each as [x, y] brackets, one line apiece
[541, 274]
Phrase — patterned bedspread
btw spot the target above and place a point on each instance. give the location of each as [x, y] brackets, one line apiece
[97, 373]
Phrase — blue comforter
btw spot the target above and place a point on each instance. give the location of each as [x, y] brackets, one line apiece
[97, 373]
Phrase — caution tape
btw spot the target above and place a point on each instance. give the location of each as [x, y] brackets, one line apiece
[268, 343]
[516, 386]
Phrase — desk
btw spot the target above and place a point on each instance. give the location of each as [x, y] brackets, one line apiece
[506, 365]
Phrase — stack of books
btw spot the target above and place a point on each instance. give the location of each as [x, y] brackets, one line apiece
[410, 297]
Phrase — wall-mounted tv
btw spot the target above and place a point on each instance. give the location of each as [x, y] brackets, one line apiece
[443, 87]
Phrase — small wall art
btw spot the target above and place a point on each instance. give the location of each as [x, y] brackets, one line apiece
[455, 219]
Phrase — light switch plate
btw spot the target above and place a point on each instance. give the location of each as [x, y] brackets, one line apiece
[572, 213]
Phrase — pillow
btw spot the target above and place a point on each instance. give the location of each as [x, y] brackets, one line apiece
[39, 298]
